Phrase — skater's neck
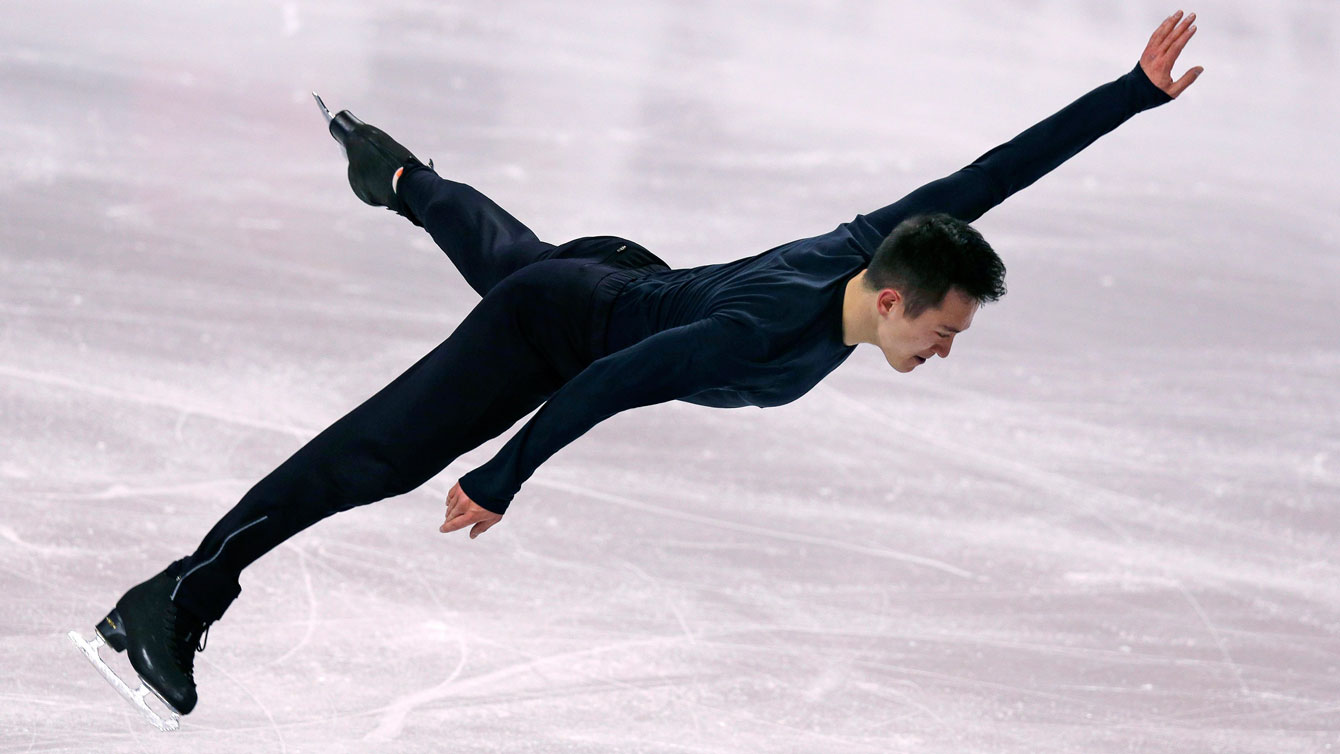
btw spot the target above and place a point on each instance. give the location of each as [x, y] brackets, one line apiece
[858, 326]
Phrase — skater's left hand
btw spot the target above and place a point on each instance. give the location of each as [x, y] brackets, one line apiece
[1164, 46]
[462, 511]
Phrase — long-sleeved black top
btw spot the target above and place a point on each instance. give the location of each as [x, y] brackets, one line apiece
[764, 330]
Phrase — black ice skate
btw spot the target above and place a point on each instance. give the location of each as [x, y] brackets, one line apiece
[373, 159]
[160, 639]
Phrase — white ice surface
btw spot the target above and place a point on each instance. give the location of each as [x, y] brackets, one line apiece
[1108, 523]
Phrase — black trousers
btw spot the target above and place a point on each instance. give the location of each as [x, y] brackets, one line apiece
[543, 318]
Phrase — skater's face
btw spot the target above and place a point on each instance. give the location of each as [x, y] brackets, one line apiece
[908, 342]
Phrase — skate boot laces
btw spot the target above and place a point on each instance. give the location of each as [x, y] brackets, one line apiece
[185, 630]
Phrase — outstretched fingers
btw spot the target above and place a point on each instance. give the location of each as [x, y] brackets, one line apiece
[451, 502]
[455, 510]
[459, 519]
[1178, 31]
[452, 523]
[1160, 34]
[481, 520]
[1180, 39]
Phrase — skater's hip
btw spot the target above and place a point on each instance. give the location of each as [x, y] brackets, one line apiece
[619, 253]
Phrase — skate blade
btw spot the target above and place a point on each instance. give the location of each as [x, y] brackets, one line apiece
[325, 111]
[137, 697]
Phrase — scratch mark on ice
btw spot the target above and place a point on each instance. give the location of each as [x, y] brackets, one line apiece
[809, 539]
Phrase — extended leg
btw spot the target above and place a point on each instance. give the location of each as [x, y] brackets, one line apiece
[481, 238]
[484, 242]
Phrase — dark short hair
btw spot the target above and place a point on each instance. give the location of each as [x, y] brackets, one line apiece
[927, 255]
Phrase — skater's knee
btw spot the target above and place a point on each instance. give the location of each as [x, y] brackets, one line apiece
[368, 477]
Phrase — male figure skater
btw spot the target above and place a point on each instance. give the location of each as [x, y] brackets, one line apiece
[596, 326]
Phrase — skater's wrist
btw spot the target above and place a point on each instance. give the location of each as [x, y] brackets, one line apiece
[478, 493]
[1148, 95]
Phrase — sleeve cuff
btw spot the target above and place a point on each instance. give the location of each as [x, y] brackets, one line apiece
[1147, 95]
[492, 505]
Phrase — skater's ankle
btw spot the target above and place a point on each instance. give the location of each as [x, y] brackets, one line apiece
[194, 613]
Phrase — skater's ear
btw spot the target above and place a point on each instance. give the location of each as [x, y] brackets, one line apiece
[890, 302]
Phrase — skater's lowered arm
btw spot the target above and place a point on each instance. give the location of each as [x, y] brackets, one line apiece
[671, 364]
[1015, 165]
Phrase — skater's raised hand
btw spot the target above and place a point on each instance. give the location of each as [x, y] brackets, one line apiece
[1164, 46]
[462, 511]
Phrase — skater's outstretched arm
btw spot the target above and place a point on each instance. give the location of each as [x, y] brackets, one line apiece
[674, 363]
[1010, 167]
